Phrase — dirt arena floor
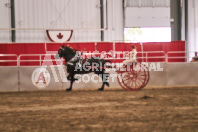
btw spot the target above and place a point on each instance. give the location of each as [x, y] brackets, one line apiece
[169, 109]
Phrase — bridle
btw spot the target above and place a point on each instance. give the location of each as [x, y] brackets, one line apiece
[72, 59]
[62, 48]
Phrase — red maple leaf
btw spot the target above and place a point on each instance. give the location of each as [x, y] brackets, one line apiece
[59, 36]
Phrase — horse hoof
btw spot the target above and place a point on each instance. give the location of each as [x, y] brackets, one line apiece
[107, 84]
[100, 89]
[68, 90]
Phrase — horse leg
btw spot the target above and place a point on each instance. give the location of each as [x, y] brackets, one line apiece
[104, 77]
[71, 82]
[69, 78]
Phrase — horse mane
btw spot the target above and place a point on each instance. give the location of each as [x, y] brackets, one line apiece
[69, 49]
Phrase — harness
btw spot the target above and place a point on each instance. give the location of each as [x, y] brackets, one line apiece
[77, 58]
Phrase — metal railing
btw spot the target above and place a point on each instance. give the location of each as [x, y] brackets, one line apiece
[144, 56]
[47, 57]
[184, 55]
[25, 58]
[9, 60]
[154, 52]
[114, 53]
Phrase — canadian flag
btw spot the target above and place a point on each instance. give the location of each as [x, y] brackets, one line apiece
[59, 36]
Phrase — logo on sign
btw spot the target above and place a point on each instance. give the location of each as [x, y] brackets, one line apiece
[41, 78]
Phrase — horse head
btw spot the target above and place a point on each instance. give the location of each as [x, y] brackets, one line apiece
[65, 52]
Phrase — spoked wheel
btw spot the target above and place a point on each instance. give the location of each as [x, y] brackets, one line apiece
[119, 78]
[147, 75]
[134, 77]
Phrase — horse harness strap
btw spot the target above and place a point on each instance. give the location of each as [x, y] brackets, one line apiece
[72, 60]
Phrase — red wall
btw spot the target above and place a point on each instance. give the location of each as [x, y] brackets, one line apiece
[42, 48]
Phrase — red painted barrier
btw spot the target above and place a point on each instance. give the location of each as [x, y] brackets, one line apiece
[42, 48]
[89, 46]
[176, 46]
[22, 48]
[104, 46]
[153, 47]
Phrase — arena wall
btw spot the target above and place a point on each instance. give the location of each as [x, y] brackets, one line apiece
[26, 84]
[20, 79]
[9, 79]
[182, 74]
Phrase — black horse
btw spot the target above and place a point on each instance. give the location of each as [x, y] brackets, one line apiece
[76, 65]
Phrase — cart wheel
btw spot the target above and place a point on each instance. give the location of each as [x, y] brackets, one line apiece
[120, 81]
[147, 75]
[133, 78]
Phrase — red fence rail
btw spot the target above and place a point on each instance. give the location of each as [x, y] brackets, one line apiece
[147, 52]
